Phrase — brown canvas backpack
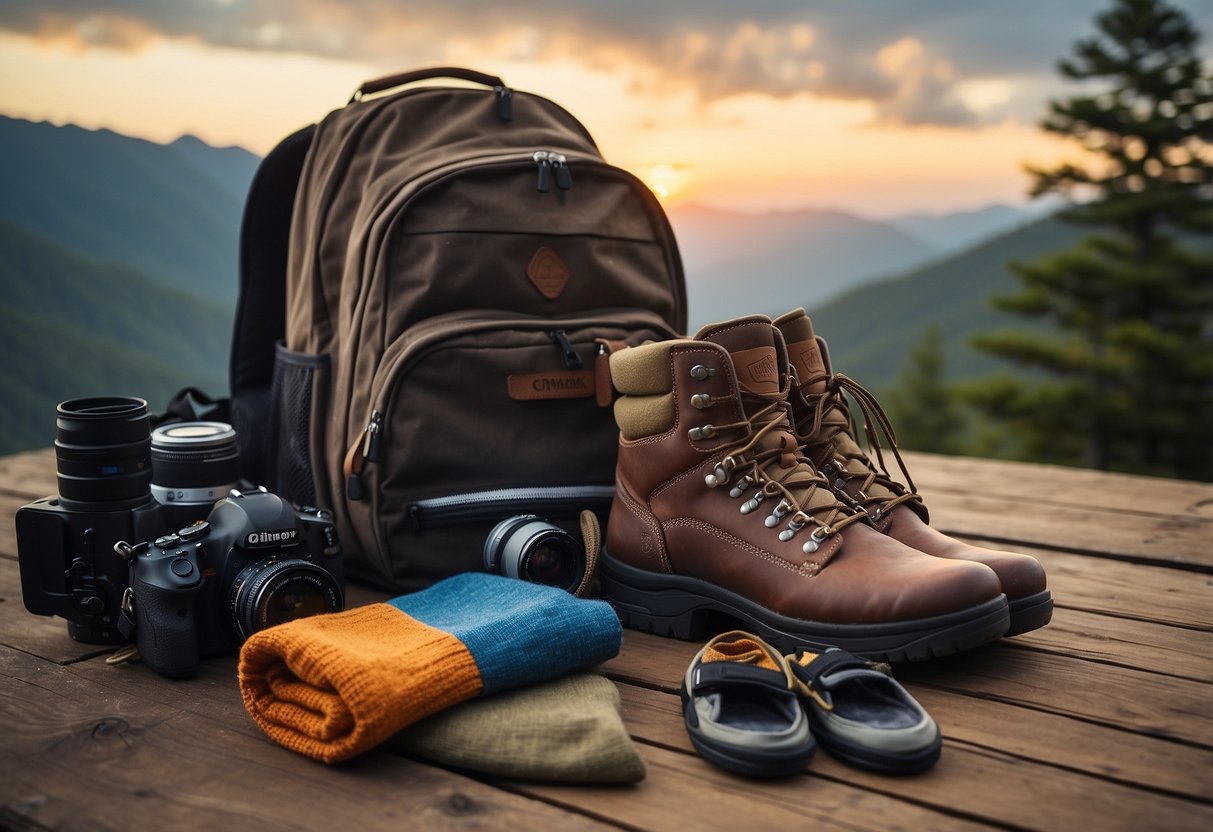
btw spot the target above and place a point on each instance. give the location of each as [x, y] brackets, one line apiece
[458, 264]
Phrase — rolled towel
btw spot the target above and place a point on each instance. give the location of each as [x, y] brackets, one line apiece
[335, 686]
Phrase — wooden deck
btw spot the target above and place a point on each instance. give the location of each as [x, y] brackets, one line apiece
[1102, 720]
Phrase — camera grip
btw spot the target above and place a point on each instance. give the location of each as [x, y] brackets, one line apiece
[164, 616]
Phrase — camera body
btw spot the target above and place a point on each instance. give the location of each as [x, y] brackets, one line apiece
[254, 562]
[69, 567]
[237, 564]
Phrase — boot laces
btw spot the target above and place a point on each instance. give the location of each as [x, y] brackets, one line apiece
[832, 418]
[778, 470]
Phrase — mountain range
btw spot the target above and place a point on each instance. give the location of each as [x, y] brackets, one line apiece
[120, 270]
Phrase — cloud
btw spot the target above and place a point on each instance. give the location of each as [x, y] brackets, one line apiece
[909, 59]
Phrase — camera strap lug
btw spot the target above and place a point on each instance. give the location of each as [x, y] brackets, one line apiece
[126, 621]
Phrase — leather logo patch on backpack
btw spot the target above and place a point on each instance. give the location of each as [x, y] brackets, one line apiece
[548, 272]
[574, 384]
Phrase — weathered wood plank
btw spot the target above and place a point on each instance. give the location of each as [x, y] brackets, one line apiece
[1058, 485]
[1145, 645]
[1133, 700]
[682, 792]
[1047, 739]
[1184, 540]
[30, 474]
[1148, 593]
[80, 754]
[1120, 697]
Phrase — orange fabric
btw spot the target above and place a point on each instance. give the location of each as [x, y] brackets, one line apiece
[743, 651]
[334, 686]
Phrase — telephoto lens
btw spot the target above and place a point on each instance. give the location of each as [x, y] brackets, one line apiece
[102, 453]
[532, 549]
[193, 465]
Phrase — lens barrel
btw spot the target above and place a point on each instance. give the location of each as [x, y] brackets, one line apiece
[272, 591]
[193, 465]
[102, 453]
[532, 549]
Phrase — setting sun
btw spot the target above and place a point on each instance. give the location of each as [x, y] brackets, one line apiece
[668, 181]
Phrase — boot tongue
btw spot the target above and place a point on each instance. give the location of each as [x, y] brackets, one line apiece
[750, 342]
[804, 353]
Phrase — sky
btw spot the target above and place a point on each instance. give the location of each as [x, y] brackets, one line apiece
[878, 107]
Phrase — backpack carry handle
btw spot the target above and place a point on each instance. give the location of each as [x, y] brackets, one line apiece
[400, 79]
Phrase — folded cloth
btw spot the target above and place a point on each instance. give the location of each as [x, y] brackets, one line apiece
[334, 686]
[567, 730]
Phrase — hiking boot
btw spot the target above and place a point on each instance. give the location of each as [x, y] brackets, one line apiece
[716, 511]
[824, 427]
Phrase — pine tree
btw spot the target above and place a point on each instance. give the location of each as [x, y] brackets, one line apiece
[1125, 380]
[923, 407]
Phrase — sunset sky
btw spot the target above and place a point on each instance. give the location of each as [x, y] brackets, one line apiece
[878, 107]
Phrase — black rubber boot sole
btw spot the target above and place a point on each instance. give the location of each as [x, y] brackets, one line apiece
[1030, 612]
[683, 607]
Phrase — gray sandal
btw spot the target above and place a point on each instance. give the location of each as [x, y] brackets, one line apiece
[862, 715]
[741, 710]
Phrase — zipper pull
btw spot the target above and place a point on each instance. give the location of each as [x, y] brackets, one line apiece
[604, 391]
[540, 157]
[364, 450]
[370, 448]
[505, 103]
[571, 359]
[564, 178]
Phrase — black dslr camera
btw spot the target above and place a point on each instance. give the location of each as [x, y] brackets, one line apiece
[254, 560]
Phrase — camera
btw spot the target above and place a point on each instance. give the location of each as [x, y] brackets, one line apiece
[532, 549]
[111, 471]
[256, 561]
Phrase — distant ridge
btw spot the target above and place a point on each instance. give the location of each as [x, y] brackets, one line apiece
[79, 327]
[160, 209]
[870, 329]
[777, 260]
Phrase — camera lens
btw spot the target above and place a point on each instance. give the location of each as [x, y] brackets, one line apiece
[532, 549]
[272, 591]
[102, 453]
[193, 465]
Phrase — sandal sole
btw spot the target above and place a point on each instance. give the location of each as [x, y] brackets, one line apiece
[682, 607]
[751, 762]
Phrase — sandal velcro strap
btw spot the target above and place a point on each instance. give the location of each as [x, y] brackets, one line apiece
[712, 675]
[826, 663]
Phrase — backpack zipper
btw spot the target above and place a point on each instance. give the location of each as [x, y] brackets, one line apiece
[365, 448]
[499, 503]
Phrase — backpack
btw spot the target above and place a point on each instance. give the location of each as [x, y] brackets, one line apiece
[458, 264]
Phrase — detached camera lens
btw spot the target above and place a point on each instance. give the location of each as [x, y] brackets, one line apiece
[532, 549]
[194, 464]
[101, 453]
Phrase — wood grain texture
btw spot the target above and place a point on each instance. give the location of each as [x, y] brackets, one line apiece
[1100, 720]
[986, 784]
[79, 753]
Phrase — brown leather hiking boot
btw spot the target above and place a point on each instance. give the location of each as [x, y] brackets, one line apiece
[716, 511]
[823, 426]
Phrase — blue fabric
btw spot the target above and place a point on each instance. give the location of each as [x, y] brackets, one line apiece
[518, 632]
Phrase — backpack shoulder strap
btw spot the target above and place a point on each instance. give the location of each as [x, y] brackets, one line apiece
[261, 302]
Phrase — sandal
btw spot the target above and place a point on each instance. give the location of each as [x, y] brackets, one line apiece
[862, 715]
[741, 710]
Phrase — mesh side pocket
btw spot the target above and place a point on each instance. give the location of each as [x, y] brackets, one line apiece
[293, 393]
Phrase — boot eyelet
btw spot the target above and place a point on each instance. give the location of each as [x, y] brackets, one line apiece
[752, 503]
[740, 487]
[701, 401]
[815, 539]
[704, 432]
[702, 373]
